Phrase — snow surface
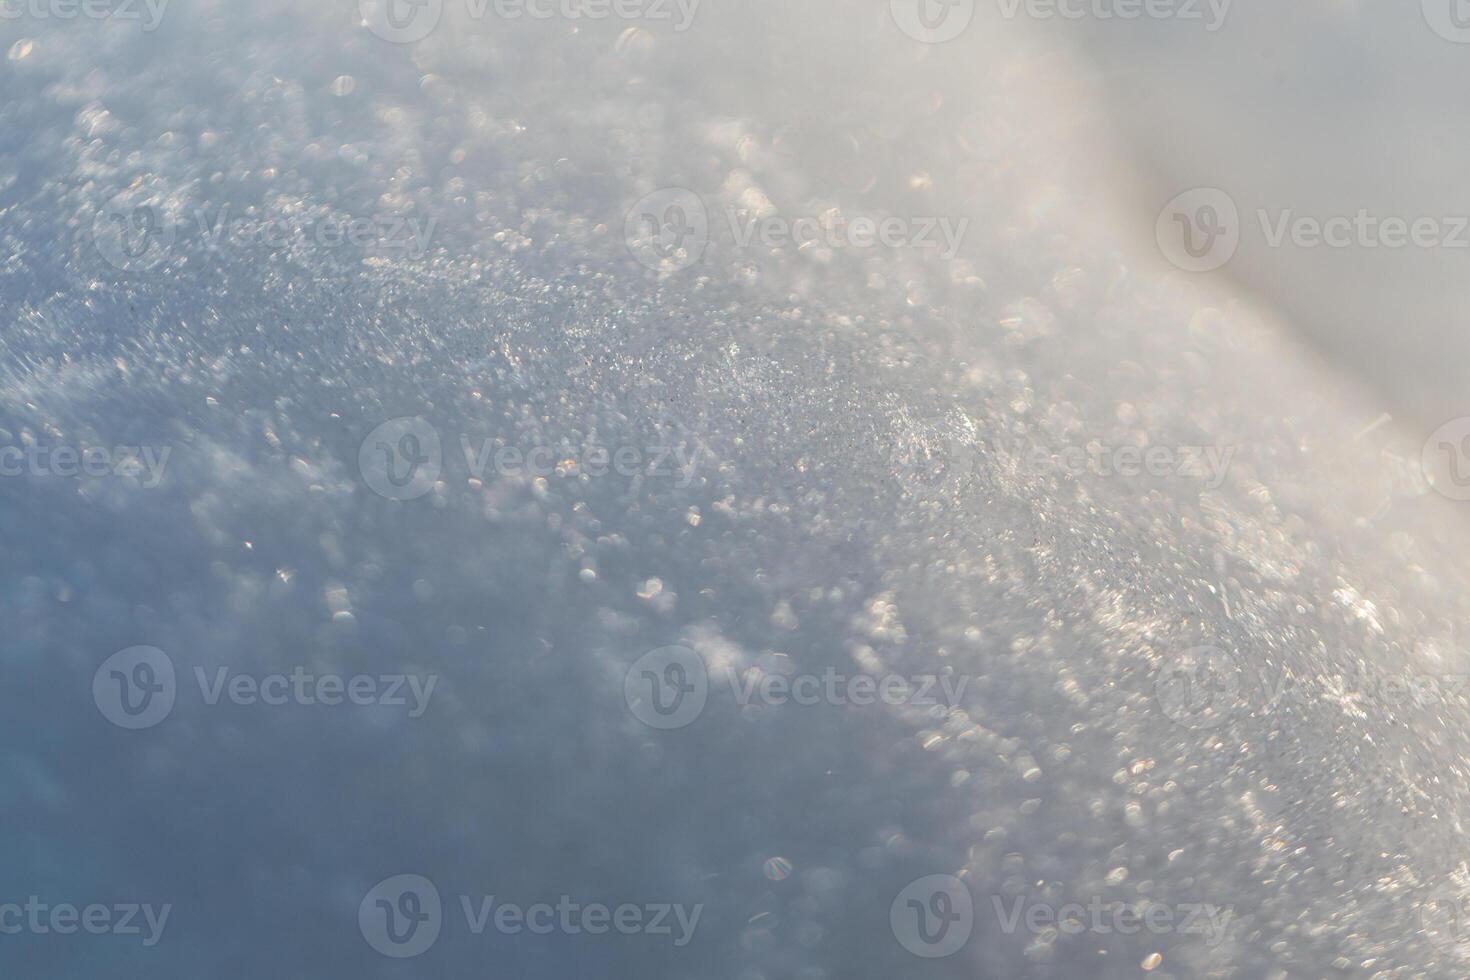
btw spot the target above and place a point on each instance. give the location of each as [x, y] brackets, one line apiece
[820, 389]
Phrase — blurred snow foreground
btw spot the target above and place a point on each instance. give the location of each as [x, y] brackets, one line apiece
[484, 358]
